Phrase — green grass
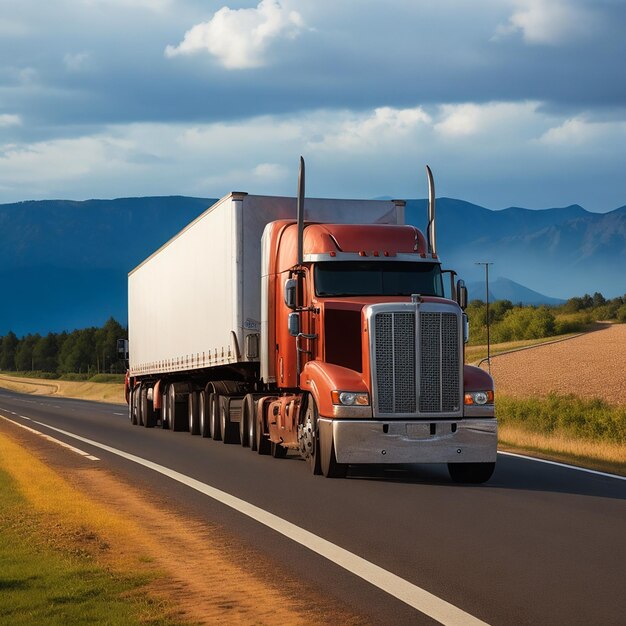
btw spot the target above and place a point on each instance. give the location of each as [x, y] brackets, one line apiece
[593, 420]
[42, 583]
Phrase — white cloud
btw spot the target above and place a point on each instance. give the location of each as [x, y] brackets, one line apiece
[547, 21]
[459, 120]
[496, 154]
[384, 125]
[240, 38]
[76, 62]
[579, 131]
[9, 119]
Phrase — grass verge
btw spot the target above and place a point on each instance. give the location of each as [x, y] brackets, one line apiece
[56, 565]
[85, 390]
[584, 432]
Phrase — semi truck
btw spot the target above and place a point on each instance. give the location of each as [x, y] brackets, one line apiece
[319, 326]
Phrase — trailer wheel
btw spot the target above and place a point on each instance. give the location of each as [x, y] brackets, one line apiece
[132, 407]
[177, 409]
[262, 440]
[308, 437]
[214, 404]
[203, 413]
[192, 413]
[244, 429]
[471, 473]
[148, 418]
[164, 414]
[230, 430]
[138, 404]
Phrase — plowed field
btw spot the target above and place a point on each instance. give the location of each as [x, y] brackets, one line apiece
[590, 366]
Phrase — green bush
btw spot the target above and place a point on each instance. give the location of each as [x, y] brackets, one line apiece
[72, 376]
[567, 414]
[107, 378]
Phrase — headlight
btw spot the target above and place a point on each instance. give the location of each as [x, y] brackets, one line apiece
[479, 397]
[350, 398]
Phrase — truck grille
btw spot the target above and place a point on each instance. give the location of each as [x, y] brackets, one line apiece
[438, 355]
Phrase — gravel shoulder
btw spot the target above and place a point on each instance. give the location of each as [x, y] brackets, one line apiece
[592, 365]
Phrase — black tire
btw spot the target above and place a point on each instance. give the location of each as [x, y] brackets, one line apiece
[308, 437]
[164, 422]
[140, 391]
[148, 418]
[230, 431]
[216, 431]
[244, 423]
[177, 410]
[203, 414]
[193, 417]
[471, 473]
[263, 445]
[132, 406]
[252, 424]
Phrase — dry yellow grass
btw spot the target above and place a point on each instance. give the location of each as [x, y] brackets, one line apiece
[100, 392]
[203, 575]
[603, 456]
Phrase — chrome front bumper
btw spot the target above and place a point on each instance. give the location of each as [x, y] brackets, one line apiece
[365, 441]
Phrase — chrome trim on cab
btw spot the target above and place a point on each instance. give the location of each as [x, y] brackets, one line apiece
[396, 441]
[416, 359]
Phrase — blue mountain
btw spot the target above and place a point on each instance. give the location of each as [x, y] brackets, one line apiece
[63, 264]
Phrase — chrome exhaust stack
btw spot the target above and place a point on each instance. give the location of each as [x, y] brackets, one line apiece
[300, 212]
[430, 231]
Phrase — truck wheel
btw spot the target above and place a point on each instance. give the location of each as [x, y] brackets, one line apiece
[148, 418]
[471, 473]
[192, 413]
[308, 437]
[139, 404]
[251, 405]
[132, 407]
[176, 410]
[230, 431]
[203, 414]
[262, 441]
[328, 461]
[164, 422]
[244, 422]
[214, 405]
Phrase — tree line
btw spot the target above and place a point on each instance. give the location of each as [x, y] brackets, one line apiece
[86, 351]
[509, 322]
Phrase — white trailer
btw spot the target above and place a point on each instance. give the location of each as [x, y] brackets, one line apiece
[193, 302]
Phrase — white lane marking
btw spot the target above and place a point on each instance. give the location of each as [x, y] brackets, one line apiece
[23, 417]
[573, 467]
[48, 438]
[119, 413]
[416, 597]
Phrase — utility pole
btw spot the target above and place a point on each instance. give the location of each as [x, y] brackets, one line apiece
[487, 264]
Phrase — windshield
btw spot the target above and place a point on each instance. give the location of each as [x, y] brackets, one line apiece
[377, 278]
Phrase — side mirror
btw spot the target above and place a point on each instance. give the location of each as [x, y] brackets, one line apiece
[291, 293]
[461, 294]
[293, 324]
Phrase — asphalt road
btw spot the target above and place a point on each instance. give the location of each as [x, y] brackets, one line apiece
[538, 544]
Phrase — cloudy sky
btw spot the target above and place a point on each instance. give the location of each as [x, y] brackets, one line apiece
[511, 102]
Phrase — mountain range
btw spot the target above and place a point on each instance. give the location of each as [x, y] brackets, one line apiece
[63, 264]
